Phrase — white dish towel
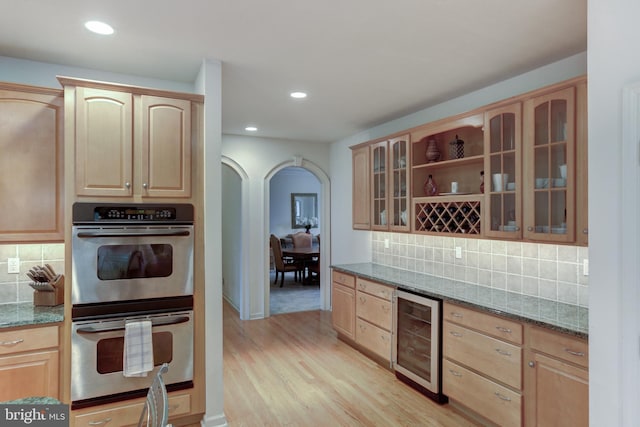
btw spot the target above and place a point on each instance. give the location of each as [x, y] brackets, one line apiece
[138, 349]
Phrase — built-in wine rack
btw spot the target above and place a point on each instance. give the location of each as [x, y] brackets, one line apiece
[455, 217]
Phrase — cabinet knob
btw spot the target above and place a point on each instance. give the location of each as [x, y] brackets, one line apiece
[529, 228]
[127, 184]
[144, 185]
[585, 231]
[532, 364]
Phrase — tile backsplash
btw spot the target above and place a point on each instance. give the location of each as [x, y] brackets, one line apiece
[553, 272]
[14, 287]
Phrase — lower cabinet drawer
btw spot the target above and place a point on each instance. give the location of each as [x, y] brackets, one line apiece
[128, 414]
[374, 310]
[373, 338]
[495, 358]
[494, 402]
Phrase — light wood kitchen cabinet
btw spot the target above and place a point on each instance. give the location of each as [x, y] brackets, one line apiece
[556, 379]
[381, 182]
[29, 362]
[31, 164]
[482, 368]
[582, 166]
[130, 142]
[374, 317]
[343, 296]
[503, 172]
[361, 208]
[127, 414]
[550, 166]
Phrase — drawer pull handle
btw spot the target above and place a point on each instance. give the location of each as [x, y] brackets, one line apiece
[454, 314]
[505, 330]
[456, 334]
[574, 353]
[503, 352]
[363, 300]
[383, 338]
[10, 343]
[385, 308]
[503, 397]
[362, 327]
[100, 423]
[455, 373]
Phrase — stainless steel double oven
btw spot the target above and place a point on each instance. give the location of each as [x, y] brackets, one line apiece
[130, 262]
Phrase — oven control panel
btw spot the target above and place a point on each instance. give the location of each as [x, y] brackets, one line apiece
[84, 213]
[134, 214]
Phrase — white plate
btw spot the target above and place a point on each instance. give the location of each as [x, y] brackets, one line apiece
[453, 194]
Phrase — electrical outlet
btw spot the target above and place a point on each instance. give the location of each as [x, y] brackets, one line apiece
[458, 252]
[585, 267]
[386, 243]
[13, 265]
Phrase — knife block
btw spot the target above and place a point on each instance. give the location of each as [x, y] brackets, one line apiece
[50, 298]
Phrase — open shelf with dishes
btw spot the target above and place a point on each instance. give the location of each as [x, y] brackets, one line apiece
[448, 214]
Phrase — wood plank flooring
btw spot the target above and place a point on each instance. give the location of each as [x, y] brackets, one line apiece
[291, 370]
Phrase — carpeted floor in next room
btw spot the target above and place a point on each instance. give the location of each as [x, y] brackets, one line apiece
[293, 296]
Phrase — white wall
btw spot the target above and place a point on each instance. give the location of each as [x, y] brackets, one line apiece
[613, 35]
[287, 181]
[356, 246]
[232, 234]
[260, 158]
[44, 74]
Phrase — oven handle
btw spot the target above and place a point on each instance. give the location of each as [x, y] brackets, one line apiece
[154, 322]
[154, 233]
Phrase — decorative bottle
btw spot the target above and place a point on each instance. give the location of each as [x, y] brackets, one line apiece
[481, 181]
[430, 187]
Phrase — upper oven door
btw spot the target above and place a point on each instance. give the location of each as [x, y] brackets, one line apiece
[117, 263]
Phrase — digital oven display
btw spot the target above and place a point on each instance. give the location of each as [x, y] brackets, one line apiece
[133, 214]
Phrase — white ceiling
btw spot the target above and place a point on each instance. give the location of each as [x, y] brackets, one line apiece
[363, 62]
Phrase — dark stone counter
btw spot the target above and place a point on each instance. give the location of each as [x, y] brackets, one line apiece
[25, 314]
[566, 318]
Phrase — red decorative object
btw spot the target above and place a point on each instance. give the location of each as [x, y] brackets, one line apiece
[430, 187]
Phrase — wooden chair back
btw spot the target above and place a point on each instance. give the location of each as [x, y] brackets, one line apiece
[277, 252]
[302, 240]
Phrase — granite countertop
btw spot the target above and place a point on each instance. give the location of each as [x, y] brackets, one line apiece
[25, 314]
[36, 400]
[567, 318]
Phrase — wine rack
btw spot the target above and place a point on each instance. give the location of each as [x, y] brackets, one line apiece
[453, 217]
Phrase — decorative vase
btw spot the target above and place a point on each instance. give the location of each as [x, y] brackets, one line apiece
[433, 154]
[430, 187]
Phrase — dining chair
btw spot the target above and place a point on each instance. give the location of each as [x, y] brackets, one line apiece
[283, 265]
[302, 240]
[155, 412]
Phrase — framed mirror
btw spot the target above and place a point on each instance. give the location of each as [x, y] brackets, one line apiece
[304, 210]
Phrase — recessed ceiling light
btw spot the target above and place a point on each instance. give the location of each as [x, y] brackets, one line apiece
[298, 95]
[99, 27]
[251, 128]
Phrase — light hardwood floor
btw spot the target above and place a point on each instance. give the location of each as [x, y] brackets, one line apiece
[291, 370]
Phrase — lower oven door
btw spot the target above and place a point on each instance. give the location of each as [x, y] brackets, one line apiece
[97, 354]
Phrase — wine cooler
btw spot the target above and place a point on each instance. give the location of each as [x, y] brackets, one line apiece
[418, 342]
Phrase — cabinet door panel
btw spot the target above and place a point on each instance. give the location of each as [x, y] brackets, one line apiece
[30, 374]
[166, 147]
[343, 306]
[104, 142]
[31, 170]
[361, 189]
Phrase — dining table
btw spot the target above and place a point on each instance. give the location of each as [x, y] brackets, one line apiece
[304, 256]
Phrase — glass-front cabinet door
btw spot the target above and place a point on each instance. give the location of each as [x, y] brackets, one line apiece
[400, 209]
[502, 174]
[379, 208]
[549, 205]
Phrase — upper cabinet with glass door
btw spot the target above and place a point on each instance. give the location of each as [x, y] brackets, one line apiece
[503, 183]
[389, 183]
[549, 192]
[399, 183]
